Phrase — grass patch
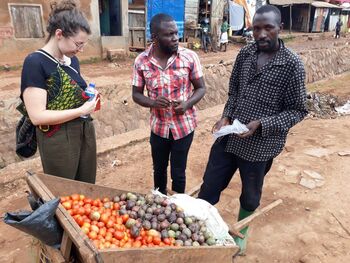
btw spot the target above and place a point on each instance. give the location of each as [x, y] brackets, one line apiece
[338, 82]
[90, 60]
[9, 68]
[288, 38]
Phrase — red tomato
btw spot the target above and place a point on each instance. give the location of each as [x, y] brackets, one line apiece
[103, 232]
[92, 235]
[110, 224]
[80, 221]
[104, 218]
[105, 200]
[87, 201]
[67, 205]
[127, 245]
[75, 197]
[86, 224]
[119, 221]
[116, 206]
[125, 218]
[143, 233]
[156, 241]
[118, 235]
[109, 236]
[167, 241]
[94, 228]
[81, 211]
[86, 230]
[114, 213]
[100, 224]
[137, 244]
[111, 230]
[116, 242]
[64, 199]
[87, 211]
[149, 239]
[81, 197]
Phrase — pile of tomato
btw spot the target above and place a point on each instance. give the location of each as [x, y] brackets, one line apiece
[99, 219]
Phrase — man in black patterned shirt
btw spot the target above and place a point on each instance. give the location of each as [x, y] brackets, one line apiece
[267, 93]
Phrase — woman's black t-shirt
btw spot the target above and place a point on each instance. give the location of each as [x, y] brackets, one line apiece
[64, 85]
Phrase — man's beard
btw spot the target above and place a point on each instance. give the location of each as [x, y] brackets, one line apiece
[166, 49]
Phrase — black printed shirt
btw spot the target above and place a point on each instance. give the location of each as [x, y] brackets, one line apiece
[275, 95]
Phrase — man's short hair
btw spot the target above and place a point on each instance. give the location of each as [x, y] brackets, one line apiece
[157, 20]
[270, 8]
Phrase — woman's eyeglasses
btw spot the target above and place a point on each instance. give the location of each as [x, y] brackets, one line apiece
[77, 44]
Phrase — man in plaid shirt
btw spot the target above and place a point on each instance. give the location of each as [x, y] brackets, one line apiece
[267, 93]
[167, 71]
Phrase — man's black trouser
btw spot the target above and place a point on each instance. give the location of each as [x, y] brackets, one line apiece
[162, 148]
[219, 172]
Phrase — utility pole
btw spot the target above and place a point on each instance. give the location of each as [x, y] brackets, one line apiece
[290, 19]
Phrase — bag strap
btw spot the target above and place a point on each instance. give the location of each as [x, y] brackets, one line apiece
[56, 61]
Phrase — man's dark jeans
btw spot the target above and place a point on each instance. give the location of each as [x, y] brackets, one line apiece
[220, 170]
[177, 150]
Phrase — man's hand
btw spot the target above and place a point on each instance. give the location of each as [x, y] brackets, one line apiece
[180, 106]
[221, 123]
[252, 127]
[161, 102]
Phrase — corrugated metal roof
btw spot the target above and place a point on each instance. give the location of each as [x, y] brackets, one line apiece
[289, 2]
[324, 4]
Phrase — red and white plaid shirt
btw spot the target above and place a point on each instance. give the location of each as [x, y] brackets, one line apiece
[173, 82]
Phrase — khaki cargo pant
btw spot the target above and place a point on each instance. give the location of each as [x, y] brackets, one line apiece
[71, 151]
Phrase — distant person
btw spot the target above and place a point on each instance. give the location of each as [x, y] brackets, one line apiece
[53, 93]
[206, 36]
[224, 35]
[168, 72]
[338, 26]
[267, 93]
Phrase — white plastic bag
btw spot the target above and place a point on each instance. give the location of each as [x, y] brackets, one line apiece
[345, 109]
[237, 127]
[204, 211]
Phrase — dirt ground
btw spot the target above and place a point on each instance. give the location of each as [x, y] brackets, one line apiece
[310, 226]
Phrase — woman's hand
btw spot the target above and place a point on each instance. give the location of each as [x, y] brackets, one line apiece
[89, 106]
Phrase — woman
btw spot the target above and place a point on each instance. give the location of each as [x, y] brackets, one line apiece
[224, 35]
[53, 93]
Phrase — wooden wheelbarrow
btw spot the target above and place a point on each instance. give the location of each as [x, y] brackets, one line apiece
[76, 243]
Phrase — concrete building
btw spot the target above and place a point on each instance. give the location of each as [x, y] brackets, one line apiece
[23, 27]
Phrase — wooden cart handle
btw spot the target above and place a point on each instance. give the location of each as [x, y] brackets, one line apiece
[234, 229]
[246, 221]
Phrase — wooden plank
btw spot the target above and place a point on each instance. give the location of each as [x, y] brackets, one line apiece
[171, 255]
[137, 28]
[82, 242]
[246, 221]
[66, 246]
[27, 21]
[54, 254]
[61, 187]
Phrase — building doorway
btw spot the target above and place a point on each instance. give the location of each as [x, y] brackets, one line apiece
[110, 17]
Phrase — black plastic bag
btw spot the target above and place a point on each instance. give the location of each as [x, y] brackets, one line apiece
[40, 223]
[26, 144]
